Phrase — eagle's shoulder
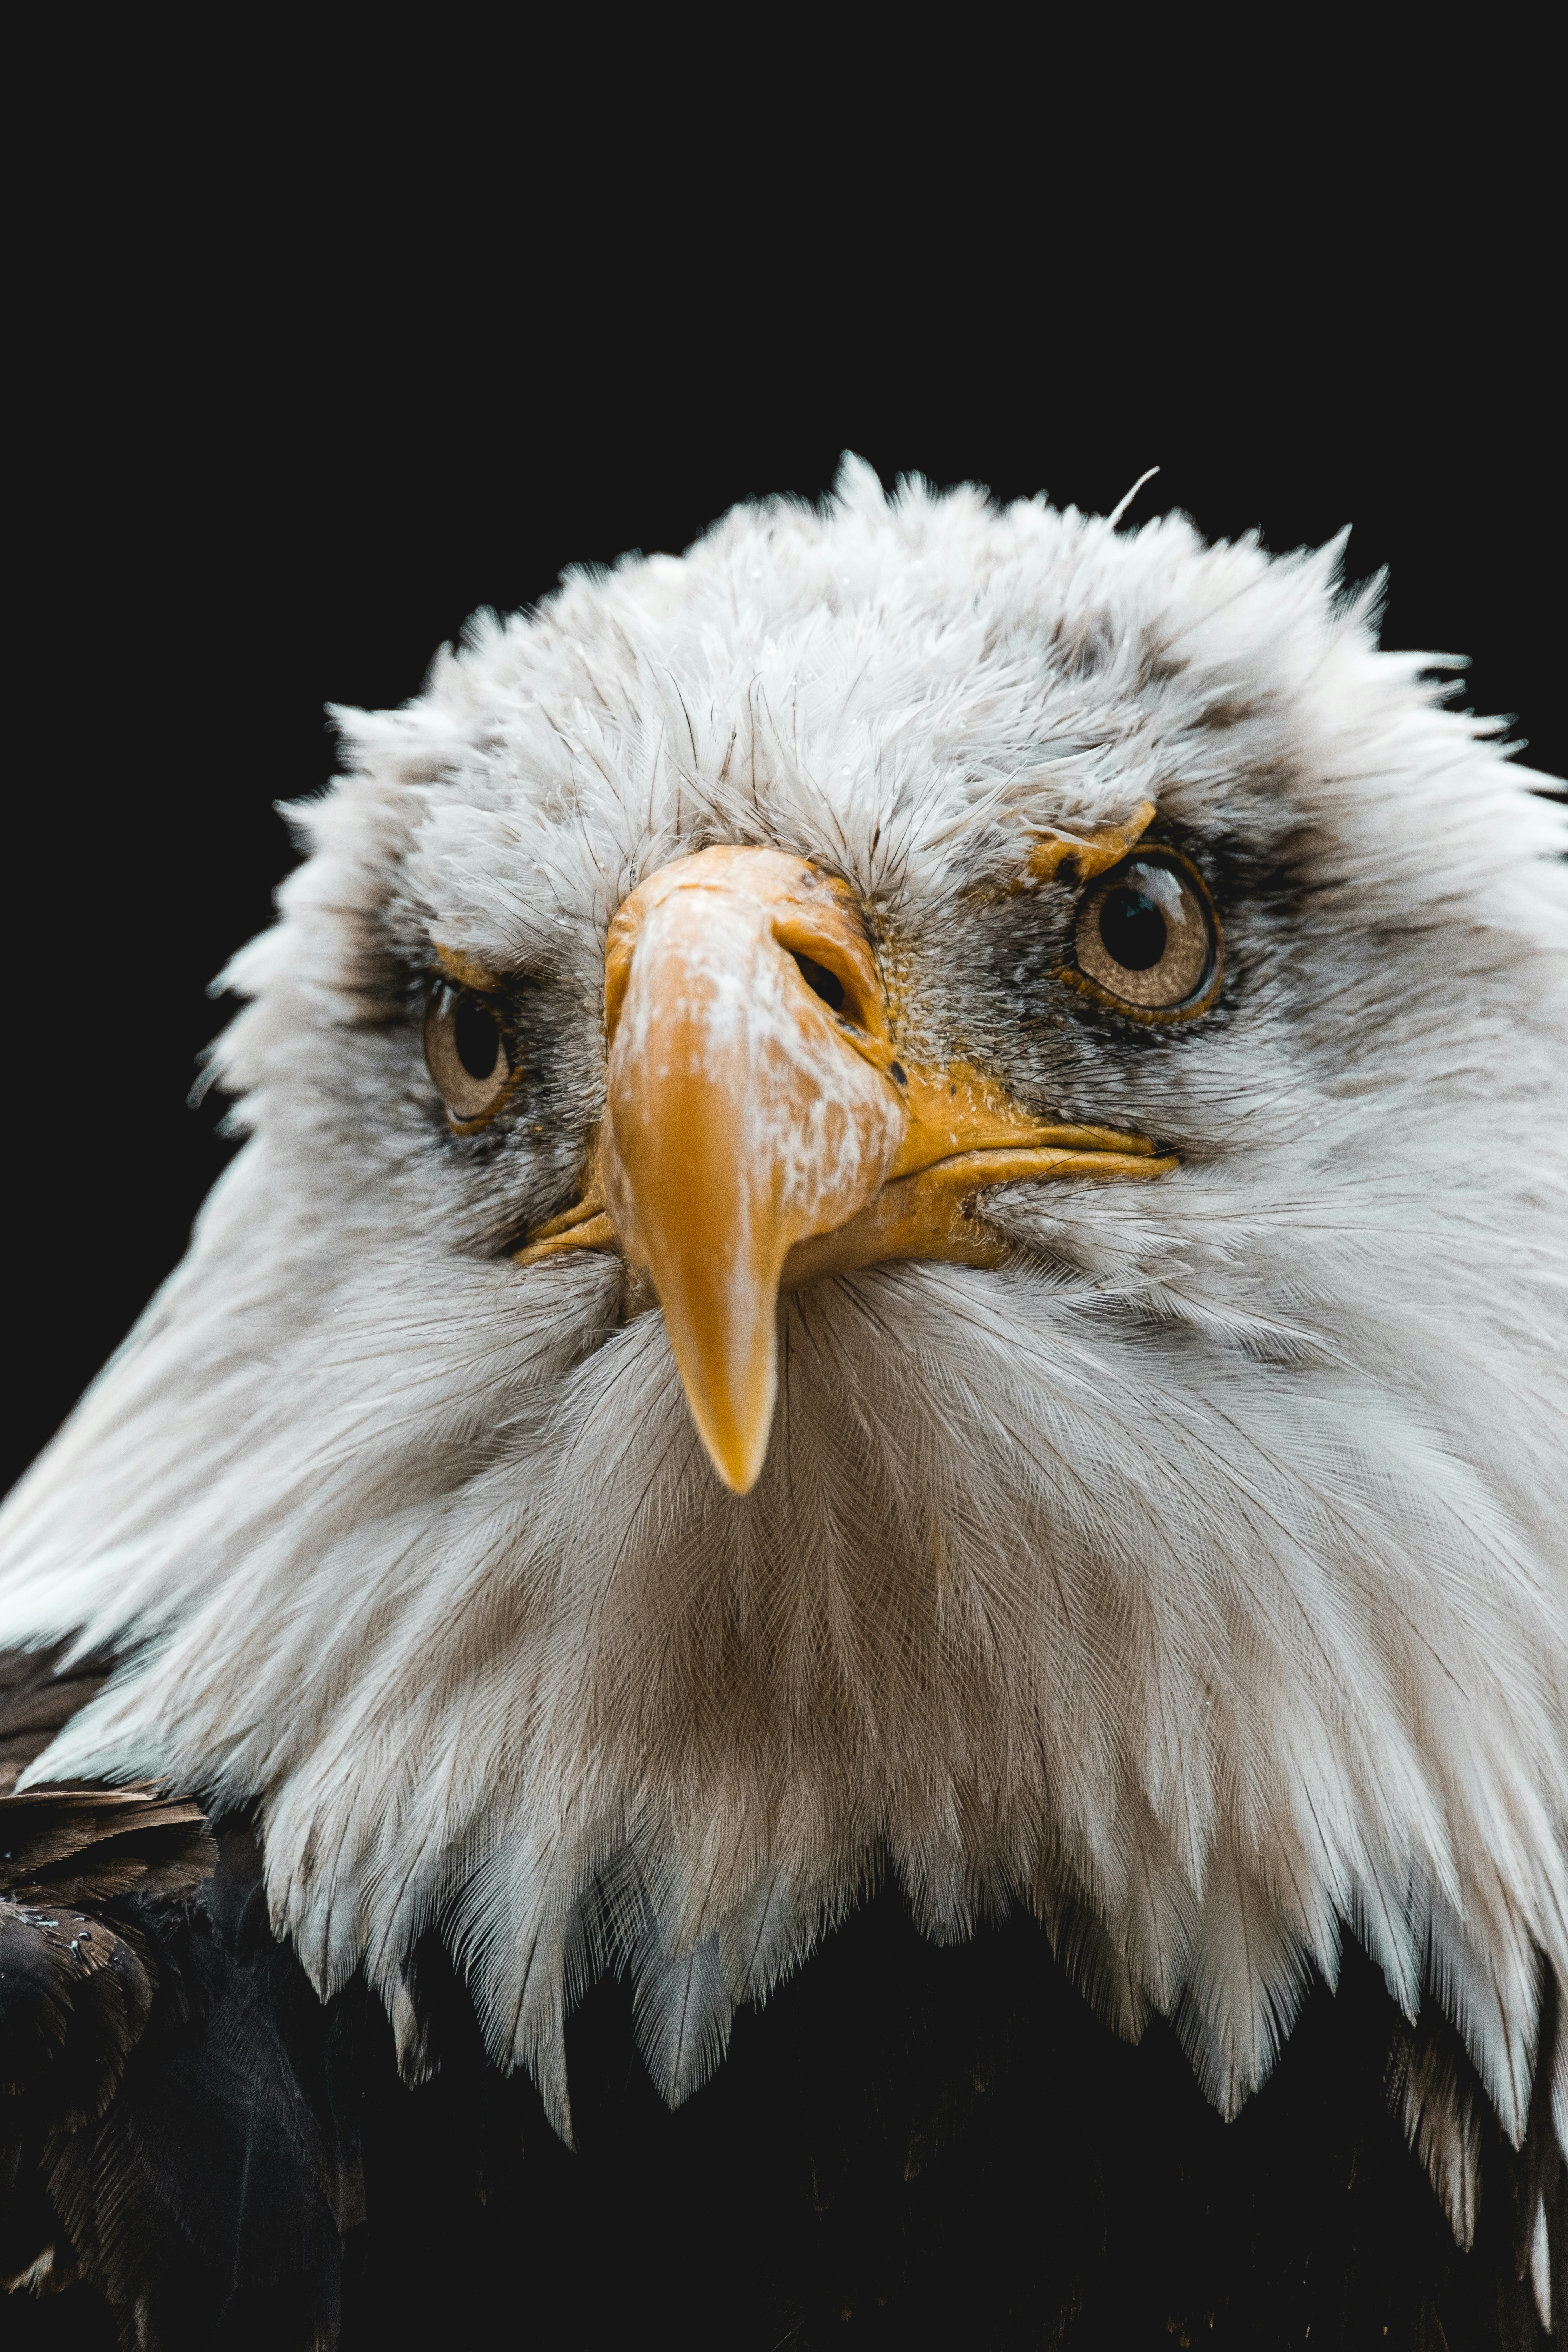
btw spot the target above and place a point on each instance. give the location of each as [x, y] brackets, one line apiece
[935, 2144]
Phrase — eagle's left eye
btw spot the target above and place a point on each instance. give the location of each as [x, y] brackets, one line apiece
[465, 1052]
[1147, 939]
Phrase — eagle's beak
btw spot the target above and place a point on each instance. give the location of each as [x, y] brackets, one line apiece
[751, 1106]
[761, 1132]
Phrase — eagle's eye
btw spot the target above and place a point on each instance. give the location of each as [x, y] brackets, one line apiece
[1147, 939]
[465, 1052]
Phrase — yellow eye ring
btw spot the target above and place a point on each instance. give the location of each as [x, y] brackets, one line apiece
[1147, 941]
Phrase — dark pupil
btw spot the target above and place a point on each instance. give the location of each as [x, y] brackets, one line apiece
[475, 1037]
[1134, 929]
[827, 983]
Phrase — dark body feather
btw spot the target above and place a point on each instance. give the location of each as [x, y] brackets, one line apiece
[38, 1695]
[907, 2146]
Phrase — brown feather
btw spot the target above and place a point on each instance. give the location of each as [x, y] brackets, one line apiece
[36, 1702]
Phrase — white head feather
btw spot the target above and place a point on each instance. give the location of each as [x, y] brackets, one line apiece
[1198, 1578]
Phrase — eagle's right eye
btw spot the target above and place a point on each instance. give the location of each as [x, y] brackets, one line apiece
[466, 1054]
[1148, 940]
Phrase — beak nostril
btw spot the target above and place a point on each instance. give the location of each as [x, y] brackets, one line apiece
[826, 984]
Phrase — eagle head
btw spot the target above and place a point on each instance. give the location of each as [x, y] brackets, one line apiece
[902, 1217]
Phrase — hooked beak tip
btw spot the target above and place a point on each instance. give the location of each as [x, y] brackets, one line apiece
[730, 1392]
[739, 1464]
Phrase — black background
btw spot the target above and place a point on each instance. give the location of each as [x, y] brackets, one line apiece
[300, 396]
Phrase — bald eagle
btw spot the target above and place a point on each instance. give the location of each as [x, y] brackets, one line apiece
[831, 1606]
